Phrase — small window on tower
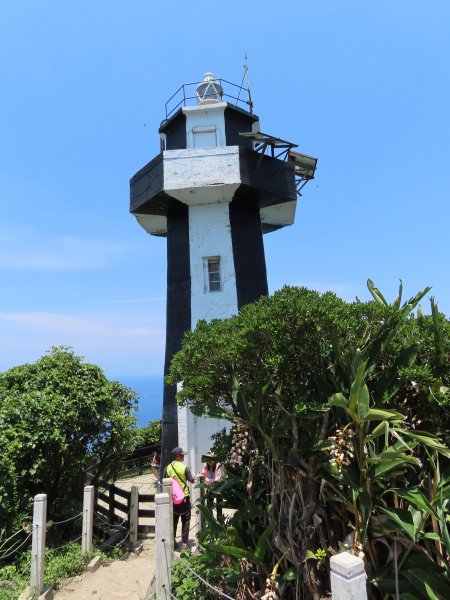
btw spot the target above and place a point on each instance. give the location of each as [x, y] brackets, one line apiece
[212, 274]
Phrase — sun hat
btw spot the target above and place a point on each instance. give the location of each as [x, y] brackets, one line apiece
[208, 457]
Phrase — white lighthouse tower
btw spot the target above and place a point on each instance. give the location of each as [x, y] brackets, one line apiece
[217, 185]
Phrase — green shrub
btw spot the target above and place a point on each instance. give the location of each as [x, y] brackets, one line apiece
[57, 416]
[60, 564]
[147, 436]
[185, 585]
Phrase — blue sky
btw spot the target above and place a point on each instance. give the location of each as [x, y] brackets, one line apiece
[364, 86]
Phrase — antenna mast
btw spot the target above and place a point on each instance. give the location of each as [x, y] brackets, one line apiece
[249, 101]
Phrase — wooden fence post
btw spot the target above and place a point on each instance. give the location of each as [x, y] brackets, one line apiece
[88, 519]
[111, 508]
[167, 489]
[38, 545]
[162, 551]
[348, 577]
[134, 514]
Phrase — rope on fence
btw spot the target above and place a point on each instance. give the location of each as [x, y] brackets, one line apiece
[12, 550]
[118, 543]
[220, 593]
[66, 544]
[105, 545]
[168, 570]
[169, 592]
[53, 523]
[117, 526]
[17, 532]
[112, 525]
[17, 548]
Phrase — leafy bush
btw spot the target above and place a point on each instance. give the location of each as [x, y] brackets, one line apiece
[284, 341]
[341, 413]
[57, 416]
[185, 585]
[150, 435]
[59, 566]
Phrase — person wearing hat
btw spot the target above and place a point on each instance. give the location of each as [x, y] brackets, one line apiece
[181, 473]
[212, 473]
[156, 463]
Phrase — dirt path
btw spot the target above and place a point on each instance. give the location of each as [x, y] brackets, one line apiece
[120, 580]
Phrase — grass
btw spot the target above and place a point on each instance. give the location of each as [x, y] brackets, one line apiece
[59, 566]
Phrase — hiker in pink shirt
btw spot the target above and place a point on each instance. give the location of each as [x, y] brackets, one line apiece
[212, 473]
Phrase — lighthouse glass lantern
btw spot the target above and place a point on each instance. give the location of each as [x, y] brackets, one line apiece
[215, 188]
[209, 90]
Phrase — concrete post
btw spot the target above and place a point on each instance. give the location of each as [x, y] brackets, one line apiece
[348, 577]
[134, 514]
[197, 495]
[162, 545]
[38, 545]
[88, 519]
[167, 489]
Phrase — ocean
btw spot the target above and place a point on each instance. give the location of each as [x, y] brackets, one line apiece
[150, 390]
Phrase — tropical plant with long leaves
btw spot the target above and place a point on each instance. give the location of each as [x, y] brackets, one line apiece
[388, 470]
[349, 455]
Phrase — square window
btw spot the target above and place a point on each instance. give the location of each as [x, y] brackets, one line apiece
[212, 274]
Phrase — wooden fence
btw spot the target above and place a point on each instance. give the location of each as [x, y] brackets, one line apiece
[109, 499]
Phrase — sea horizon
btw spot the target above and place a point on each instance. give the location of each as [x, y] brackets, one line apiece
[150, 391]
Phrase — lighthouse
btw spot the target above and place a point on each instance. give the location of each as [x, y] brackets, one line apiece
[217, 185]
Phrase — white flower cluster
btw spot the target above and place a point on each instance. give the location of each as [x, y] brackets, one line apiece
[272, 590]
[240, 444]
[341, 449]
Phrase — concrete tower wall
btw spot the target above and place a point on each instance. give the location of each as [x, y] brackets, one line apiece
[212, 195]
[210, 236]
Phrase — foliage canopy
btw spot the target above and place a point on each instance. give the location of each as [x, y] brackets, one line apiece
[148, 436]
[57, 416]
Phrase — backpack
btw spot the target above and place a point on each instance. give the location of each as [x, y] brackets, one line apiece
[177, 492]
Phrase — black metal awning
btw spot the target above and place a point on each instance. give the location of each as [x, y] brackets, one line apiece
[263, 142]
[304, 165]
